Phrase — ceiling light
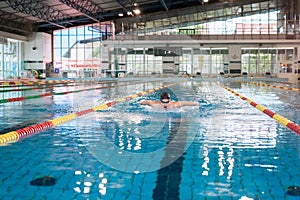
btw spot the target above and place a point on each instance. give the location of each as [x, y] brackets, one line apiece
[205, 1]
[137, 11]
[121, 14]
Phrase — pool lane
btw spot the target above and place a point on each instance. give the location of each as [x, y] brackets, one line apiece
[169, 177]
[276, 86]
[280, 119]
[18, 83]
[16, 135]
[23, 98]
[19, 88]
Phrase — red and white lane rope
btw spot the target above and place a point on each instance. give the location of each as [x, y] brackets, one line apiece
[16, 135]
[282, 120]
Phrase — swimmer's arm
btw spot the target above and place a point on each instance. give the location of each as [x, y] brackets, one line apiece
[148, 102]
[187, 103]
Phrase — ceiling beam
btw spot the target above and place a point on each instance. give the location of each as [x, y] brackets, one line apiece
[163, 3]
[15, 26]
[123, 4]
[88, 8]
[13, 17]
[14, 36]
[36, 9]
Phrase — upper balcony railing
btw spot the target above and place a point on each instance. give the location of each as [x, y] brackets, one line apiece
[216, 38]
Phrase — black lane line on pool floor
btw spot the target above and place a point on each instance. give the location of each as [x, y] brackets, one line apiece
[169, 177]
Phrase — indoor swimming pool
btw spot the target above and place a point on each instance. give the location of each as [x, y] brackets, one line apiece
[93, 140]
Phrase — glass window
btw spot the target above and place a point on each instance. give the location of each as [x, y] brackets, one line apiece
[289, 54]
[281, 54]
[218, 60]
[79, 48]
[185, 61]
[227, 11]
[250, 61]
[264, 61]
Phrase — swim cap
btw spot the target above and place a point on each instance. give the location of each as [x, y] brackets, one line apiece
[165, 95]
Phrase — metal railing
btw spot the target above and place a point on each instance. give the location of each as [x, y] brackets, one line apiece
[212, 37]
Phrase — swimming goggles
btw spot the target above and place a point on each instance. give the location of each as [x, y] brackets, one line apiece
[165, 101]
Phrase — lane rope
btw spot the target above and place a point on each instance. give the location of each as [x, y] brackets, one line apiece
[281, 120]
[19, 83]
[275, 86]
[33, 82]
[46, 86]
[23, 98]
[16, 135]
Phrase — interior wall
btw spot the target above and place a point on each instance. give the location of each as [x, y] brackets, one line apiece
[234, 59]
[38, 52]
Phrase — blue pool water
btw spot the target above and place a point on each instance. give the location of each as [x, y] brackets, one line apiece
[222, 149]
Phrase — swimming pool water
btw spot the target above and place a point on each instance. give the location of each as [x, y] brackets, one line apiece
[223, 149]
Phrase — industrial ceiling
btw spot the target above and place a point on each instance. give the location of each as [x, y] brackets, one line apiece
[22, 17]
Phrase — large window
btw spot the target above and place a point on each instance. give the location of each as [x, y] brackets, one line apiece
[185, 61]
[218, 59]
[267, 61]
[260, 61]
[250, 61]
[288, 61]
[202, 60]
[77, 51]
[80, 49]
[263, 18]
[135, 61]
[10, 61]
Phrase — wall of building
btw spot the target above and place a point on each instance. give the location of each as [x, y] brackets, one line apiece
[38, 52]
[232, 59]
